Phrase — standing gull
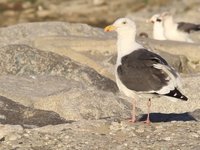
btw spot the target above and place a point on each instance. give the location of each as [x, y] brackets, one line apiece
[138, 70]
[158, 29]
[177, 31]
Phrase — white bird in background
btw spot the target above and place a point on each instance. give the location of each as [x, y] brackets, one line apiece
[138, 70]
[177, 31]
[158, 29]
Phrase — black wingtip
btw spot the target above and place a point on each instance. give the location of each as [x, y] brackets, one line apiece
[198, 28]
[183, 97]
[177, 94]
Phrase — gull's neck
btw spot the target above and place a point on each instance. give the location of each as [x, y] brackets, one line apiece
[126, 44]
[158, 31]
[169, 23]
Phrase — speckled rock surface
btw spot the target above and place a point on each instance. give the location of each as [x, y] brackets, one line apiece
[48, 81]
[25, 60]
[102, 134]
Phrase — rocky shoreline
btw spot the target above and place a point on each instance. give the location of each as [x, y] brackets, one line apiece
[58, 91]
[56, 95]
[102, 134]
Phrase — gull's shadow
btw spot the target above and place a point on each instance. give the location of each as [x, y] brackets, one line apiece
[161, 117]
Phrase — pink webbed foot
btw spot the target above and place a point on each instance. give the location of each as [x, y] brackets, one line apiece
[147, 121]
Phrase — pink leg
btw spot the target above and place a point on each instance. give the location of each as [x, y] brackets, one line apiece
[147, 121]
[133, 119]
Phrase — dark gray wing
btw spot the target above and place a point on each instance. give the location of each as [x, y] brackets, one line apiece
[138, 73]
[188, 27]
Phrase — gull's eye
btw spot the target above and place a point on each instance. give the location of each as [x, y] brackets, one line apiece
[124, 22]
[158, 19]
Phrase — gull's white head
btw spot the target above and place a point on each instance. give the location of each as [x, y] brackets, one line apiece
[155, 18]
[122, 26]
[158, 29]
[126, 30]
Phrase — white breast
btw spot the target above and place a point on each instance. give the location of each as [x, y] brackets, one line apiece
[158, 31]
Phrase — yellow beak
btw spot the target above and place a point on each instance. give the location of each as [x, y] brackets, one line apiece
[109, 28]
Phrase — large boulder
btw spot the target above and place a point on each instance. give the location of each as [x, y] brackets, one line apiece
[25, 60]
[47, 81]
[71, 99]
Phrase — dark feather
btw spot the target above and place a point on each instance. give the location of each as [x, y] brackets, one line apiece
[137, 72]
[188, 27]
[177, 94]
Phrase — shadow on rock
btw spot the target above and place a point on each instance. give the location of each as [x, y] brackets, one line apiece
[17, 114]
[161, 117]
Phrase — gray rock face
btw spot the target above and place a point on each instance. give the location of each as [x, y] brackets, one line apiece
[26, 33]
[24, 60]
[71, 99]
[47, 81]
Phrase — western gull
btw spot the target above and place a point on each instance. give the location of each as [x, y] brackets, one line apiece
[138, 70]
[177, 31]
[158, 29]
